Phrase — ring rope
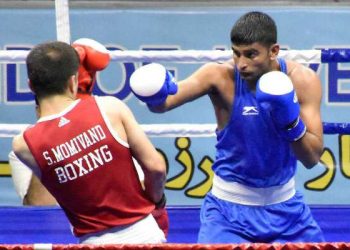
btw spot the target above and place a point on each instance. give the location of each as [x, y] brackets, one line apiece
[330, 128]
[193, 56]
[179, 129]
[194, 130]
[62, 20]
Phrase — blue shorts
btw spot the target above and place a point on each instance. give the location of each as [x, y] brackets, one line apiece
[227, 222]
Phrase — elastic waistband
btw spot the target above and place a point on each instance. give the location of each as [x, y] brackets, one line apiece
[245, 195]
[145, 231]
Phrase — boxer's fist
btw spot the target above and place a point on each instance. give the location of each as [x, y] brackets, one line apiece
[161, 215]
[275, 90]
[162, 219]
[152, 84]
[93, 57]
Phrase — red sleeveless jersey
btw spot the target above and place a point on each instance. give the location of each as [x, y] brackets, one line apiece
[88, 169]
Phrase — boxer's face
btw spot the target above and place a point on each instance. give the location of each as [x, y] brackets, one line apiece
[252, 60]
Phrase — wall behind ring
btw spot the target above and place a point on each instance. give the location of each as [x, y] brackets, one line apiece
[184, 28]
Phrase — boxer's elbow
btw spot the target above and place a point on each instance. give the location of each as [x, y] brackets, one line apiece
[157, 109]
[310, 163]
[155, 179]
[170, 103]
[309, 149]
[313, 159]
[160, 108]
[39, 200]
[159, 168]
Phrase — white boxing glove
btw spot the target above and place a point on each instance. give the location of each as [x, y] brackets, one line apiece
[152, 84]
[276, 91]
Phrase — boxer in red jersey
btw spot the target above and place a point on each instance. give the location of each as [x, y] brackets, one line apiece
[93, 57]
[82, 150]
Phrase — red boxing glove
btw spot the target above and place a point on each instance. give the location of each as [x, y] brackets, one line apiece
[162, 219]
[93, 57]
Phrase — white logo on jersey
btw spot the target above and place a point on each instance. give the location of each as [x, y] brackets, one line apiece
[63, 121]
[250, 110]
[295, 99]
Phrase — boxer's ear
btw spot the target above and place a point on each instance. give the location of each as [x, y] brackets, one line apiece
[274, 50]
[30, 85]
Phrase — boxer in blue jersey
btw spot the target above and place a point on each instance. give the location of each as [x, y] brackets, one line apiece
[268, 117]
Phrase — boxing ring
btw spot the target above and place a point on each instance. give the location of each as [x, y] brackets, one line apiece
[46, 228]
[30, 228]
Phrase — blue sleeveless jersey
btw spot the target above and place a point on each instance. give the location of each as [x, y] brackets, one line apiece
[249, 149]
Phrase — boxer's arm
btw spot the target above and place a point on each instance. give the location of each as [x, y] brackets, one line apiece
[151, 162]
[198, 84]
[21, 175]
[308, 87]
[160, 214]
[21, 150]
[38, 195]
[27, 185]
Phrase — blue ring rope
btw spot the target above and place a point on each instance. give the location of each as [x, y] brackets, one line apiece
[335, 55]
[336, 128]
